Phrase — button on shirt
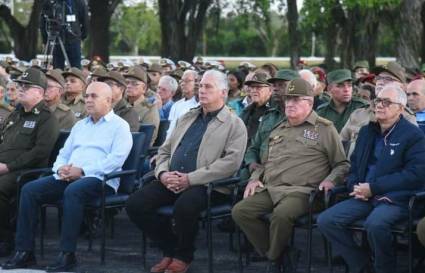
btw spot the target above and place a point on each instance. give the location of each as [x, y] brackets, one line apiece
[185, 156]
[98, 148]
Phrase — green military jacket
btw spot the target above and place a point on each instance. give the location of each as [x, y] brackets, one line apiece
[27, 138]
[5, 110]
[328, 111]
[127, 113]
[77, 106]
[64, 115]
[300, 157]
[148, 114]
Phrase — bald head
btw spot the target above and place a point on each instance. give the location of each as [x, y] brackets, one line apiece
[98, 100]
[416, 95]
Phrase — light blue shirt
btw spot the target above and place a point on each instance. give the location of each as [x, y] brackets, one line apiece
[97, 148]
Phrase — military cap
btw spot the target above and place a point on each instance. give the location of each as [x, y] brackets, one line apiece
[115, 76]
[285, 75]
[33, 76]
[85, 62]
[247, 65]
[155, 67]
[177, 74]
[361, 64]
[99, 72]
[198, 60]
[137, 73]
[184, 65]
[56, 75]
[339, 76]
[73, 71]
[259, 77]
[319, 73]
[299, 88]
[392, 68]
[167, 62]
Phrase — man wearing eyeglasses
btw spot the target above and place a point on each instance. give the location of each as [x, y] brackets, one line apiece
[387, 168]
[137, 85]
[52, 97]
[304, 152]
[74, 89]
[26, 140]
[416, 100]
[342, 103]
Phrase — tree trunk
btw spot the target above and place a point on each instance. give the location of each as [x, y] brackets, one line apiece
[294, 35]
[25, 37]
[423, 33]
[408, 42]
[182, 24]
[100, 20]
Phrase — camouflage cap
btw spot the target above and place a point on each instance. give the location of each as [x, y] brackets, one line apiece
[299, 88]
[99, 72]
[56, 75]
[33, 76]
[392, 68]
[73, 71]
[115, 76]
[285, 75]
[137, 73]
[155, 67]
[361, 64]
[260, 77]
[339, 76]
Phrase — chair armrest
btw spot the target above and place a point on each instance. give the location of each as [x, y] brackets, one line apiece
[333, 193]
[224, 182]
[33, 172]
[112, 175]
[147, 178]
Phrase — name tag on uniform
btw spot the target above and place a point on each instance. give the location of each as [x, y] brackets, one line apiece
[77, 114]
[313, 135]
[29, 124]
[71, 18]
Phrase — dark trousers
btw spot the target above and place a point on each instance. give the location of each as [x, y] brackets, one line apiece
[7, 205]
[380, 217]
[49, 190]
[73, 50]
[177, 241]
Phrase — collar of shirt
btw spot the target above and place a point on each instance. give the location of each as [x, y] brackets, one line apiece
[105, 118]
[311, 118]
[420, 116]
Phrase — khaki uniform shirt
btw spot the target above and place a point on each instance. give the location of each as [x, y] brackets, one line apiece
[64, 115]
[362, 117]
[27, 138]
[300, 157]
[127, 113]
[148, 114]
[77, 106]
[5, 110]
[328, 111]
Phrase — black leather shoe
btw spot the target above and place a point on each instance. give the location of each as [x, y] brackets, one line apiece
[22, 259]
[64, 262]
[5, 249]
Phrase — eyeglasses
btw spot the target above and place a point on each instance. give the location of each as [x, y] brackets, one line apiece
[385, 102]
[91, 95]
[133, 83]
[25, 87]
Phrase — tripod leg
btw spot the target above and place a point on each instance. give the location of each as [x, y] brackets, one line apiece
[68, 64]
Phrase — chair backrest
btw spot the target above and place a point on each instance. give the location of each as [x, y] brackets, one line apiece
[63, 135]
[162, 132]
[148, 129]
[132, 162]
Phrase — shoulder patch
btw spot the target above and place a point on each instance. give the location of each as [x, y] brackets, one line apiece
[63, 107]
[324, 121]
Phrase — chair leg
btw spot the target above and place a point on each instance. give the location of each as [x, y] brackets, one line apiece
[112, 223]
[329, 257]
[42, 229]
[238, 237]
[309, 248]
[103, 244]
[144, 250]
[210, 250]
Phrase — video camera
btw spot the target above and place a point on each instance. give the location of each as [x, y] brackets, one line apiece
[57, 21]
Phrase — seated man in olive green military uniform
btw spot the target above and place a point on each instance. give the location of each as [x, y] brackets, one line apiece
[342, 104]
[260, 91]
[137, 85]
[120, 106]
[52, 97]
[281, 185]
[5, 109]
[26, 140]
[74, 90]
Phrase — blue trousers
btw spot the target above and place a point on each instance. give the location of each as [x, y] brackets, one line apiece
[72, 49]
[380, 217]
[50, 190]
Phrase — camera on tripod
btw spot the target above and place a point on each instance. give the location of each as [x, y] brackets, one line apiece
[57, 21]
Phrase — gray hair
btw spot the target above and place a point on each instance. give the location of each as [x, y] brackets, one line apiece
[190, 72]
[308, 76]
[170, 82]
[221, 79]
[401, 95]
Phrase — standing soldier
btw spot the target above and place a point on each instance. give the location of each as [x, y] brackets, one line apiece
[26, 140]
[74, 89]
[52, 97]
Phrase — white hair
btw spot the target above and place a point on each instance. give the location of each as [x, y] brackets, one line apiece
[401, 95]
[190, 72]
[170, 82]
[220, 77]
[308, 76]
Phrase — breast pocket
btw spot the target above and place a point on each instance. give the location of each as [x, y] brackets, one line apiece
[307, 142]
[25, 137]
